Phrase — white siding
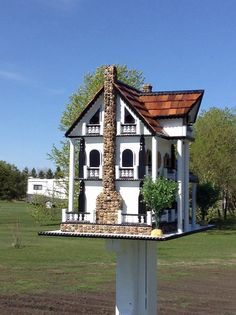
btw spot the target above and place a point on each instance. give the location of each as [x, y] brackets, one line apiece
[174, 127]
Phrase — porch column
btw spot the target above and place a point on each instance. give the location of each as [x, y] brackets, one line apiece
[154, 158]
[71, 176]
[194, 204]
[186, 186]
[180, 178]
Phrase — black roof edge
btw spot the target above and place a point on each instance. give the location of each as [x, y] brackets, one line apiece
[173, 92]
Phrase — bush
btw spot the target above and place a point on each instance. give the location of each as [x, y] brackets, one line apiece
[46, 210]
[159, 195]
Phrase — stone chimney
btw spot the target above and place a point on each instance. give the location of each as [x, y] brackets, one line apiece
[147, 88]
[109, 201]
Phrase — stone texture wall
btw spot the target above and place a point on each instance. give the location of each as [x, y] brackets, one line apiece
[109, 201]
[104, 228]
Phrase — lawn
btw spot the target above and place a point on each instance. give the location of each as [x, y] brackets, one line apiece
[68, 266]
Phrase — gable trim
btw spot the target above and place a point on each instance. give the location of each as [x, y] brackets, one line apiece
[84, 111]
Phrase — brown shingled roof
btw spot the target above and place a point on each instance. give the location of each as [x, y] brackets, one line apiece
[132, 96]
[171, 103]
[153, 105]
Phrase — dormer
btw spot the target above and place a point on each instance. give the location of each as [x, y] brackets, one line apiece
[128, 123]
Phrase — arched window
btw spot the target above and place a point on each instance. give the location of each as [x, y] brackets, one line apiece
[94, 158]
[127, 158]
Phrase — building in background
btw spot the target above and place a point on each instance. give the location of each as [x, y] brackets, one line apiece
[50, 188]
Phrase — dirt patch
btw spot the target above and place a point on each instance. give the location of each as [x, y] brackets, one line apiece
[201, 292]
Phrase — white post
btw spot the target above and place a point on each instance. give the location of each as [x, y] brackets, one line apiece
[71, 176]
[136, 277]
[64, 216]
[180, 178]
[154, 158]
[84, 129]
[194, 204]
[149, 218]
[186, 186]
[138, 131]
[119, 217]
[135, 172]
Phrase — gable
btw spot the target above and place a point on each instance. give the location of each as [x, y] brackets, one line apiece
[77, 128]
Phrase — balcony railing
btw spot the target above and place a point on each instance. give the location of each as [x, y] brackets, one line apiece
[136, 219]
[127, 173]
[128, 128]
[93, 129]
[75, 216]
[93, 172]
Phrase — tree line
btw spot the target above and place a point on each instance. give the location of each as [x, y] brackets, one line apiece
[13, 182]
[48, 173]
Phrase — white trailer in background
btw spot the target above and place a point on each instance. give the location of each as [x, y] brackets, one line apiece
[49, 188]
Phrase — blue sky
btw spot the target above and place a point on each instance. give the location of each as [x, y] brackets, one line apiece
[46, 47]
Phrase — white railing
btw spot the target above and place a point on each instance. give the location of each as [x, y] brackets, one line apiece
[93, 129]
[75, 216]
[93, 172]
[127, 172]
[128, 128]
[130, 218]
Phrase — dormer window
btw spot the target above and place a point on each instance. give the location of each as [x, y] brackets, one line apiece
[128, 119]
[95, 120]
[129, 126]
[93, 128]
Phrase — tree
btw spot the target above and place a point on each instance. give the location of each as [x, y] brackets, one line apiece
[207, 196]
[12, 182]
[33, 173]
[58, 173]
[213, 154]
[26, 171]
[41, 174]
[49, 174]
[159, 195]
[92, 83]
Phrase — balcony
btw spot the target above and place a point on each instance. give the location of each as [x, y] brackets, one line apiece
[75, 216]
[126, 173]
[93, 129]
[128, 129]
[93, 173]
[134, 219]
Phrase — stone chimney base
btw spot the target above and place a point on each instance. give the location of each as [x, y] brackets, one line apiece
[107, 205]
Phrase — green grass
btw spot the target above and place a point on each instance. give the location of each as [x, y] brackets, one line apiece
[54, 264]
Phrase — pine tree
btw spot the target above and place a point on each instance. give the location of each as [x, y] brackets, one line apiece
[33, 173]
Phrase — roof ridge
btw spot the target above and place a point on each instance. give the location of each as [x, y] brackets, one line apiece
[171, 92]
